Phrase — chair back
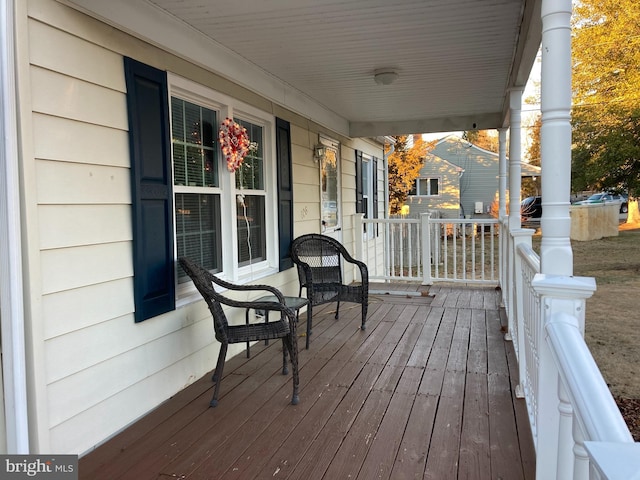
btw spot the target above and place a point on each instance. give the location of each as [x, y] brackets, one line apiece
[318, 258]
[204, 282]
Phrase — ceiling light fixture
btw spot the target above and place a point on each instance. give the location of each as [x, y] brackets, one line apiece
[385, 76]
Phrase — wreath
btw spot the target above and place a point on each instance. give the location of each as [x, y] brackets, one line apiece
[235, 143]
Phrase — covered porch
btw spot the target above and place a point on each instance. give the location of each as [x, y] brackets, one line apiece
[426, 391]
[432, 388]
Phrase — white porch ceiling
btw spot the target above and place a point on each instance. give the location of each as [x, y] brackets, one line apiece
[456, 59]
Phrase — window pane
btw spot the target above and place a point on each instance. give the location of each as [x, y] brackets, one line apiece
[251, 230]
[194, 146]
[250, 175]
[434, 186]
[423, 186]
[198, 233]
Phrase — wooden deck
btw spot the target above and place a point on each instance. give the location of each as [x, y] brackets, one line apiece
[426, 391]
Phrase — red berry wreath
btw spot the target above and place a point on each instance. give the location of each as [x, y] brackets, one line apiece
[235, 143]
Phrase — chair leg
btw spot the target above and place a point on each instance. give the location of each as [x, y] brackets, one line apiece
[365, 305]
[246, 320]
[217, 375]
[285, 369]
[291, 344]
[309, 320]
[337, 309]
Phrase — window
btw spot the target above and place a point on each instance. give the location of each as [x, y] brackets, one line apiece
[184, 200]
[196, 185]
[426, 186]
[221, 216]
[250, 196]
[366, 185]
[367, 189]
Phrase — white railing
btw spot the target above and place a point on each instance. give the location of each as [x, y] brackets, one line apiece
[574, 419]
[588, 412]
[430, 249]
[392, 248]
[578, 430]
[524, 325]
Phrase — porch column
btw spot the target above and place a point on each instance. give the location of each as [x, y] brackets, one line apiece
[502, 211]
[502, 175]
[515, 168]
[556, 256]
[12, 304]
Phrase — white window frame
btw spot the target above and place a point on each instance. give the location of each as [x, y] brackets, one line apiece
[428, 179]
[230, 107]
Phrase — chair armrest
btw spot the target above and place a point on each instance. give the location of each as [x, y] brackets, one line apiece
[273, 306]
[247, 288]
[364, 270]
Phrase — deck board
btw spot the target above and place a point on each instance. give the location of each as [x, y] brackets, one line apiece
[425, 391]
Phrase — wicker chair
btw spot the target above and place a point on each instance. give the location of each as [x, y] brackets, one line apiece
[319, 260]
[284, 328]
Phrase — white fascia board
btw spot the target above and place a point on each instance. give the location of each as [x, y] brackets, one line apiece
[151, 24]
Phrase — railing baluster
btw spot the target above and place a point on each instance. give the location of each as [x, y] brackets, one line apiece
[400, 252]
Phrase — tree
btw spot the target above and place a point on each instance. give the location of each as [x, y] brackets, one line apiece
[529, 185]
[483, 139]
[606, 86]
[404, 168]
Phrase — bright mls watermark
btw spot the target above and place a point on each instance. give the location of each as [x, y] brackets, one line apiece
[50, 467]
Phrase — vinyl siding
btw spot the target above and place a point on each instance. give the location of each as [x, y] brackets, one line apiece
[479, 182]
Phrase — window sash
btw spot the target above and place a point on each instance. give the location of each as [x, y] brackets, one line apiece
[426, 187]
[198, 230]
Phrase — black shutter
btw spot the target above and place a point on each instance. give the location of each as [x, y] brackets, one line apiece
[359, 188]
[285, 192]
[149, 144]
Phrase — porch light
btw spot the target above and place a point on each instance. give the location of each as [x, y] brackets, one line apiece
[318, 152]
[385, 76]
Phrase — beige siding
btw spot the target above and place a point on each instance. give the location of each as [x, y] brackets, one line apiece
[67, 268]
[72, 225]
[102, 370]
[71, 141]
[78, 183]
[75, 99]
[82, 307]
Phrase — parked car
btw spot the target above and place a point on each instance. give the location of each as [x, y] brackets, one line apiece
[610, 198]
[531, 210]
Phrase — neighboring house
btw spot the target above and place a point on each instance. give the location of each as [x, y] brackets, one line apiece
[122, 174]
[437, 189]
[459, 179]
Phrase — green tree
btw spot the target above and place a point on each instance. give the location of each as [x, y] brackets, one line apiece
[606, 86]
[404, 167]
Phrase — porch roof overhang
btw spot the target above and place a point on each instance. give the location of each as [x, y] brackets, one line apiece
[456, 60]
